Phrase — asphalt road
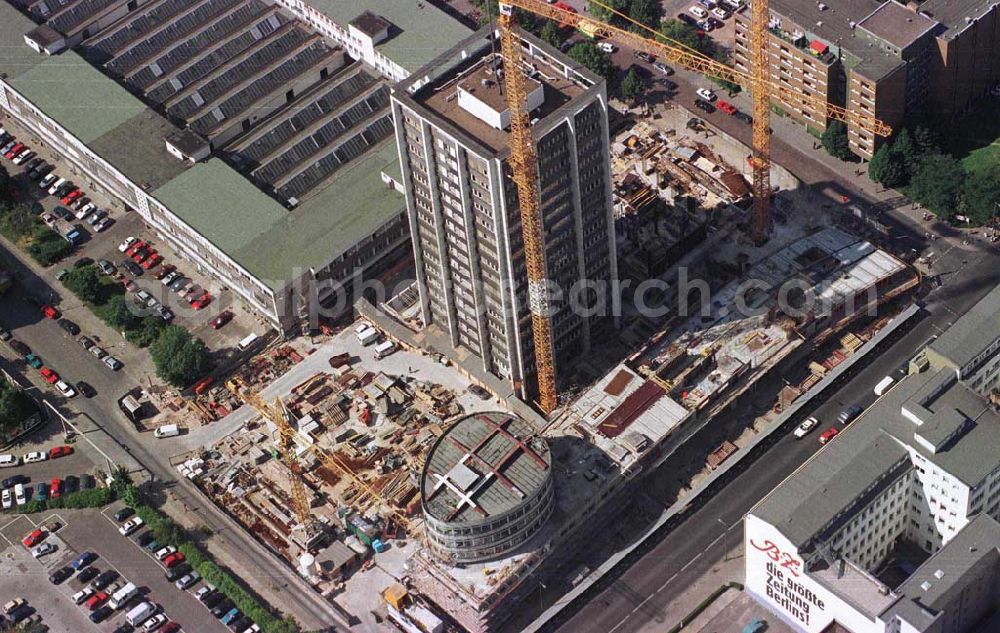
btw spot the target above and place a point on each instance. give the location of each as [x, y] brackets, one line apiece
[285, 590]
[632, 600]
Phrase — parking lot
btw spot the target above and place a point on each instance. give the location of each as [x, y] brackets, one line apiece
[104, 245]
[42, 473]
[94, 531]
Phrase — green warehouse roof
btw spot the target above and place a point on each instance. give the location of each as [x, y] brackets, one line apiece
[422, 31]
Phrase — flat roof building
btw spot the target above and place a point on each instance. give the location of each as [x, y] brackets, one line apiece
[486, 487]
[915, 479]
[884, 59]
[451, 127]
[301, 198]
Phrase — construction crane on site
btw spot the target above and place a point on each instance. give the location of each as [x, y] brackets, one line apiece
[524, 162]
[279, 415]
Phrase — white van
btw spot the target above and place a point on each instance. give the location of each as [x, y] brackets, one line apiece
[6, 461]
[56, 186]
[698, 12]
[384, 349]
[366, 336]
[19, 495]
[123, 595]
[247, 342]
[140, 613]
[883, 385]
[167, 430]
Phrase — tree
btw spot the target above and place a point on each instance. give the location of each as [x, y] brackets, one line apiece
[15, 407]
[835, 141]
[84, 283]
[596, 60]
[646, 12]
[926, 139]
[20, 219]
[120, 314]
[980, 195]
[681, 33]
[180, 359]
[936, 183]
[5, 183]
[904, 147]
[603, 14]
[552, 34]
[146, 331]
[879, 165]
[632, 86]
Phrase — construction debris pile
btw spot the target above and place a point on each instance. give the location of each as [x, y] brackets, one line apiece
[359, 443]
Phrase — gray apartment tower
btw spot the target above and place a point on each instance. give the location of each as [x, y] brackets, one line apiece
[452, 131]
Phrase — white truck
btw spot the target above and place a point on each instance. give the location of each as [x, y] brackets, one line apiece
[140, 613]
[383, 349]
[366, 334]
[167, 430]
[123, 595]
[883, 385]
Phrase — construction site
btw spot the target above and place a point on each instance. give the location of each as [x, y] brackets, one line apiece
[400, 487]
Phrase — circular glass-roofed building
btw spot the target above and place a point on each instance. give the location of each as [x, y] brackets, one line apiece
[486, 487]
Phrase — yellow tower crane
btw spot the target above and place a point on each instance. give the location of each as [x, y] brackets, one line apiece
[524, 161]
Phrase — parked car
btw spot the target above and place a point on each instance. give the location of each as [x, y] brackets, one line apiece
[69, 326]
[704, 106]
[828, 435]
[101, 614]
[65, 389]
[123, 514]
[106, 267]
[698, 12]
[19, 347]
[104, 224]
[165, 270]
[13, 605]
[59, 575]
[706, 94]
[726, 107]
[714, 23]
[104, 579]
[175, 574]
[60, 451]
[85, 389]
[113, 363]
[87, 574]
[49, 312]
[97, 352]
[133, 268]
[803, 429]
[224, 317]
[83, 560]
[96, 600]
[83, 595]
[743, 116]
[7, 461]
[163, 552]
[720, 13]
[35, 456]
[34, 361]
[663, 68]
[130, 526]
[127, 243]
[43, 550]
[173, 560]
[847, 415]
[85, 210]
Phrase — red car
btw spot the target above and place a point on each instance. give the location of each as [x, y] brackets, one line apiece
[60, 451]
[95, 600]
[153, 260]
[50, 312]
[222, 319]
[202, 301]
[828, 435]
[14, 151]
[726, 107]
[173, 560]
[71, 196]
[203, 384]
[166, 270]
[33, 539]
[50, 376]
[135, 248]
[55, 489]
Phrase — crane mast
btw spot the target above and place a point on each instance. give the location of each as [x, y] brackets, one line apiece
[524, 172]
[524, 161]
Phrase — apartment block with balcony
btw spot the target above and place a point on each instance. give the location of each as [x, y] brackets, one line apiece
[887, 59]
[452, 135]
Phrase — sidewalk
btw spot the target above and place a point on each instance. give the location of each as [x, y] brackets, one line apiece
[729, 569]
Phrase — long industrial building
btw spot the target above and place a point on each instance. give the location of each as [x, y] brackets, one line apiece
[246, 137]
[451, 127]
[893, 526]
[883, 59]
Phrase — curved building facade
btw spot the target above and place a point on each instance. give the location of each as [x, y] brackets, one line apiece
[486, 487]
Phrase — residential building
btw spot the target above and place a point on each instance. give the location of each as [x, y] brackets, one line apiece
[883, 59]
[971, 346]
[252, 145]
[912, 484]
[453, 142]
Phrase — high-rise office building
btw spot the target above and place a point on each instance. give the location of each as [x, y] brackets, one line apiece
[452, 129]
